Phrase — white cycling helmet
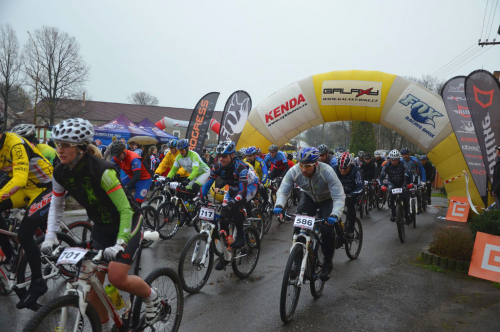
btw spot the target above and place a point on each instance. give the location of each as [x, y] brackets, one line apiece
[376, 154]
[24, 129]
[74, 131]
[394, 154]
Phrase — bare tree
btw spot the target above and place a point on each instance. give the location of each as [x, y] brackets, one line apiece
[143, 98]
[56, 70]
[10, 66]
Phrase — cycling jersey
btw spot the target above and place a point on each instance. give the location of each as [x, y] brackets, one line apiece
[398, 175]
[368, 170]
[95, 185]
[47, 151]
[192, 163]
[351, 182]
[261, 169]
[131, 163]
[378, 165]
[167, 163]
[430, 171]
[24, 164]
[416, 168]
[279, 161]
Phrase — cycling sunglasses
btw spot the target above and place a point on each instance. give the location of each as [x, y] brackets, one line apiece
[64, 145]
[306, 166]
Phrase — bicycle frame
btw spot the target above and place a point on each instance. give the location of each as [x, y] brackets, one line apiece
[303, 264]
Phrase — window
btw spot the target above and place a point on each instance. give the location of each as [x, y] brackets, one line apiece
[176, 133]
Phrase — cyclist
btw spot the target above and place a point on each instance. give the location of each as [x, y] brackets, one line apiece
[321, 189]
[368, 167]
[398, 176]
[430, 175]
[168, 161]
[117, 224]
[378, 161]
[136, 175]
[27, 131]
[243, 184]
[260, 169]
[360, 158]
[414, 165]
[28, 185]
[350, 177]
[325, 156]
[276, 162]
[192, 163]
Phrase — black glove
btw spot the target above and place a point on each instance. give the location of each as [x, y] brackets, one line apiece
[167, 180]
[230, 203]
[185, 182]
[156, 176]
[177, 177]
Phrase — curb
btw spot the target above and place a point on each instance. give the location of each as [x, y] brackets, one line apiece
[442, 262]
[75, 213]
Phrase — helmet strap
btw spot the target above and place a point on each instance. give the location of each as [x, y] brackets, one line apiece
[79, 155]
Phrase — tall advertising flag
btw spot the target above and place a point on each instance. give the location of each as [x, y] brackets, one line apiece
[482, 90]
[235, 116]
[200, 120]
[453, 94]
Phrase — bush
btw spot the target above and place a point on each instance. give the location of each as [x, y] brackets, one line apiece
[487, 222]
[452, 242]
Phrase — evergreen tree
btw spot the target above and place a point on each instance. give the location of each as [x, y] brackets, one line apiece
[362, 137]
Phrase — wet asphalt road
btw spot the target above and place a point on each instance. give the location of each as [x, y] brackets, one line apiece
[383, 290]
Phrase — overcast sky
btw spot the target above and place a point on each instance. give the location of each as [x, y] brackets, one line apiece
[180, 50]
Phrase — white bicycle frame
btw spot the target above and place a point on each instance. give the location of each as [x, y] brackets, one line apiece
[304, 254]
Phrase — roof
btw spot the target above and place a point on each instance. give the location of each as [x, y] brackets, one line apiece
[103, 111]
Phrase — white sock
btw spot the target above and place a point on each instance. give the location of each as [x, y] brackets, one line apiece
[105, 326]
[152, 296]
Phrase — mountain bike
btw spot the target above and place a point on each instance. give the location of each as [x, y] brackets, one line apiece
[162, 193]
[375, 195]
[72, 312]
[422, 197]
[414, 206]
[353, 245]
[400, 213]
[197, 257]
[305, 263]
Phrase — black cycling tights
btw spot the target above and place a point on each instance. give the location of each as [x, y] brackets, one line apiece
[4, 239]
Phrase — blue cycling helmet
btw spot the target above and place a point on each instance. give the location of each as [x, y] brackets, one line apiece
[182, 144]
[405, 151]
[226, 147]
[308, 155]
[423, 157]
[251, 151]
[172, 143]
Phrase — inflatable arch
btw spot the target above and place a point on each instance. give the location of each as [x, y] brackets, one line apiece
[392, 101]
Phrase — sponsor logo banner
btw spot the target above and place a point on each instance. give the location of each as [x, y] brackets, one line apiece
[482, 91]
[418, 113]
[235, 115]
[458, 210]
[455, 101]
[352, 93]
[485, 262]
[200, 119]
[285, 110]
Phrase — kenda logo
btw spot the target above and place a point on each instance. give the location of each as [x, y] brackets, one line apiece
[470, 148]
[420, 111]
[286, 108]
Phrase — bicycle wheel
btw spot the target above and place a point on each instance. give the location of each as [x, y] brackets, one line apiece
[376, 201]
[290, 291]
[64, 308]
[413, 213]
[150, 216]
[169, 288]
[353, 247]
[268, 219]
[193, 272]
[79, 230]
[197, 224]
[156, 201]
[258, 224]
[424, 201]
[315, 267]
[361, 207]
[168, 225]
[217, 246]
[245, 259]
[400, 222]
[55, 283]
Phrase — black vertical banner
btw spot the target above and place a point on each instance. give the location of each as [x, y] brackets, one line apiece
[200, 120]
[453, 94]
[482, 90]
[235, 116]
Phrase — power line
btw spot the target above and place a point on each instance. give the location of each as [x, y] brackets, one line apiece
[464, 55]
[494, 14]
[484, 18]
[490, 21]
[458, 63]
[484, 51]
[453, 59]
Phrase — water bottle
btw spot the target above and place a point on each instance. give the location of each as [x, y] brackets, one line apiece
[303, 231]
[114, 296]
[189, 207]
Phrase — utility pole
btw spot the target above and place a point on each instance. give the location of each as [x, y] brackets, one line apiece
[486, 43]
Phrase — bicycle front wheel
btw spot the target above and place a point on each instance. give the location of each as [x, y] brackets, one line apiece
[400, 222]
[168, 225]
[315, 267]
[63, 314]
[353, 247]
[258, 224]
[413, 213]
[246, 258]
[79, 230]
[169, 287]
[290, 291]
[194, 265]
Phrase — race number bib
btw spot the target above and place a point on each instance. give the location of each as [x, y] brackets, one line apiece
[174, 185]
[304, 222]
[71, 256]
[207, 213]
[397, 190]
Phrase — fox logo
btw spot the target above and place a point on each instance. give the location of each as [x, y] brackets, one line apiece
[236, 117]
[467, 126]
[420, 111]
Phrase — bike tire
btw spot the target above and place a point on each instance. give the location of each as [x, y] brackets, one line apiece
[268, 220]
[186, 262]
[168, 225]
[23, 275]
[197, 224]
[361, 207]
[156, 201]
[377, 201]
[424, 201]
[413, 214]
[287, 308]
[217, 246]
[258, 224]
[400, 222]
[250, 254]
[169, 287]
[316, 285]
[40, 321]
[353, 247]
[80, 230]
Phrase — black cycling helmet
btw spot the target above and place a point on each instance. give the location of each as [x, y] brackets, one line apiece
[273, 147]
[116, 148]
[368, 155]
[323, 149]
[361, 154]
[405, 151]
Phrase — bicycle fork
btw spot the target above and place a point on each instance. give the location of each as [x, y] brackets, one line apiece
[303, 264]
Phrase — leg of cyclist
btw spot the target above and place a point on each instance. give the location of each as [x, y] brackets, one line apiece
[406, 205]
[328, 241]
[392, 204]
[35, 216]
[429, 192]
[4, 239]
[141, 189]
[351, 215]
